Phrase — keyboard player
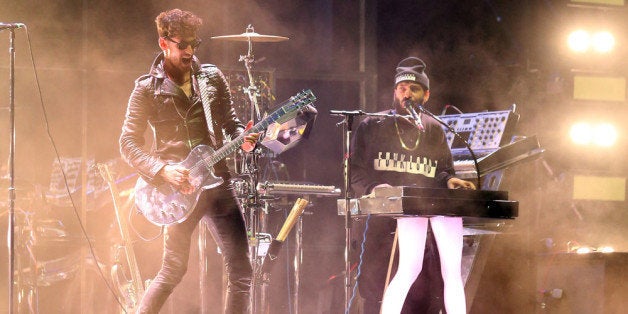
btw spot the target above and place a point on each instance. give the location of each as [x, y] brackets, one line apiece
[410, 149]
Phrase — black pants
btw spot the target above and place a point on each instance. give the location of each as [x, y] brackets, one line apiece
[220, 209]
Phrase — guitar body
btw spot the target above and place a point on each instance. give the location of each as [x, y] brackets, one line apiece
[163, 204]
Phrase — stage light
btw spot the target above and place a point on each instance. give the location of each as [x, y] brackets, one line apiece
[581, 133]
[601, 134]
[605, 135]
[588, 249]
[603, 42]
[579, 41]
[584, 250]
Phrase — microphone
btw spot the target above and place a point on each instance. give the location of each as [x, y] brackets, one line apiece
[417, 119]
[11, 25]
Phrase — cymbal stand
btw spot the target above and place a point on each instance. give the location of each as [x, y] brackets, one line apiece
[252, 91]
[257, 224]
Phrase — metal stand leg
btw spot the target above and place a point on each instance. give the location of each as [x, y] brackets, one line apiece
[11, 216]
[346, 146]
[202, 265]
[27, 292]
[298, 259]
[256, 225]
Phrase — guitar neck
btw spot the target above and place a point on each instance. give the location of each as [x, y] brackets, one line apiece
[232, 146]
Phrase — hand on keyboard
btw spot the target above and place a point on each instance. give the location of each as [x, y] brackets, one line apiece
[455, 183]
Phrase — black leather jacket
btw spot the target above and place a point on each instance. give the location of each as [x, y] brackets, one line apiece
[178, 122]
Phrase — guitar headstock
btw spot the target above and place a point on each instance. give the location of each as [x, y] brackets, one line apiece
[295, 103]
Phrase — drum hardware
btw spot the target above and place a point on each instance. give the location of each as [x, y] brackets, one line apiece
[48, 272]
[263, 243]
[25, 270]
[50, 229]
[238, 80]
[45, 255]
[252, 202]
[251, 36]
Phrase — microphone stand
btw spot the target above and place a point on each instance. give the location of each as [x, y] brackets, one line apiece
[11, 166]
[347, 125]
[475, 158]
[256, 223]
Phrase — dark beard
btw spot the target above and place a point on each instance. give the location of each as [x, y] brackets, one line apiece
[401, 109]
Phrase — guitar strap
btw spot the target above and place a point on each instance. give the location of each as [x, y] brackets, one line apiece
[203, 85]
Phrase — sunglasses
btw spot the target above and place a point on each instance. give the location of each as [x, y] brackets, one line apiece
[184, 44]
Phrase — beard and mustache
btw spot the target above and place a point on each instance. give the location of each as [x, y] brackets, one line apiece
[401, 107]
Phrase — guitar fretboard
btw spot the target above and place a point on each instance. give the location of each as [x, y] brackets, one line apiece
[293, 104]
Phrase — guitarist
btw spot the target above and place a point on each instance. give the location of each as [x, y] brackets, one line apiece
[168, 99]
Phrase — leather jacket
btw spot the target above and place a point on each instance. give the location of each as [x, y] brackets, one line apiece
[178, 121]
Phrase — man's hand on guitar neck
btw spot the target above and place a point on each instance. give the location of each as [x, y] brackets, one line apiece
[178, 176]
[250, 139]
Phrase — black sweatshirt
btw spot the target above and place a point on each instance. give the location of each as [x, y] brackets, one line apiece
[377, 155]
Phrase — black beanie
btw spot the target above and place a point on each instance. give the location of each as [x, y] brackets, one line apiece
[412, 69]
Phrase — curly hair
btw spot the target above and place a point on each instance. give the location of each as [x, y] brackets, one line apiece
[177, 22]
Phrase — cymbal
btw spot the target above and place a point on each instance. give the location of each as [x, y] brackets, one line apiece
[253, 37]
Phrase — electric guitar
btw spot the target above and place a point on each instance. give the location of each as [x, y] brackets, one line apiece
[164, 204]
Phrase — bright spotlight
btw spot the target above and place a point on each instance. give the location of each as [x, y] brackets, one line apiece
[605, 135]
[602, 134]
[603, 42]
[581, 133]
[579, 41]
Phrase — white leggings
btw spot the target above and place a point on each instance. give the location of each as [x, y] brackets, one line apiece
[412, 232]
